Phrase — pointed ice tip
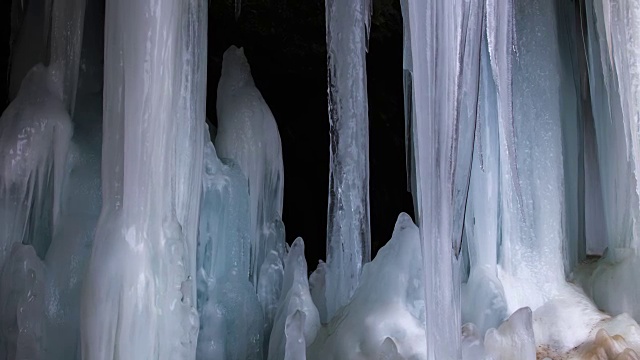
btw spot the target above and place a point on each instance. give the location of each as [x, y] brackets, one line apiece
[404, 221]
[234, 54]
[298, 243]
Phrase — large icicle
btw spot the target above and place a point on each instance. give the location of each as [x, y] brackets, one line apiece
[138, 297]
[348, 229]
[445, 42]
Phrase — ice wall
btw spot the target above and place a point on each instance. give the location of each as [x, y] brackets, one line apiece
[348, 229]
[248, 134]
[445, 42]
[613, 29]
[142, 240]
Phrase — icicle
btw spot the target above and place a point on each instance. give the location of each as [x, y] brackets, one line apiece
[348, 229]
[238, 8]
[445, 85]
[143, 256]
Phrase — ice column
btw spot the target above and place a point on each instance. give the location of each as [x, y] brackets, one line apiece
[445, 42]
[138, 298]
[348, 230]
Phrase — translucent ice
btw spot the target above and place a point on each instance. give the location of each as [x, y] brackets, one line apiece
[231, 318]
[248, 134]
[348, 229]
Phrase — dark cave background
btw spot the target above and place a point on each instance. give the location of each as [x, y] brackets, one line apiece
[285, 44]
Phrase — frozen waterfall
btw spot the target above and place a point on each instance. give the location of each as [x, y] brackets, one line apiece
[129, 231]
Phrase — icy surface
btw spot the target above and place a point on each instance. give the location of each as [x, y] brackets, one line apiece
[248, 134]
[348, 228]
[145, 308]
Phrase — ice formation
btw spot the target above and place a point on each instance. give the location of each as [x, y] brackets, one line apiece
[523, 152]
[152, 175]
[248, 134]
[348, 229]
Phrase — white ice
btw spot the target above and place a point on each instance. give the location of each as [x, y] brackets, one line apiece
[145, 239]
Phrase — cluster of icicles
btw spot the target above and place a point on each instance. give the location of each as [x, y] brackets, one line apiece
[127, 231]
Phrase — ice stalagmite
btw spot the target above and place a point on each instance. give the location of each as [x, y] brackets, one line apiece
[138, 298]
[348, 229]
[386, 315]
[248, 134]
[445, 43]
[295, 298]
